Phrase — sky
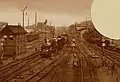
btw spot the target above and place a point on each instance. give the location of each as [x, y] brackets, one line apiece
[58, 12]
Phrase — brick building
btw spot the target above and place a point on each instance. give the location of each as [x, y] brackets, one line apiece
[2, 25]
[14, 37]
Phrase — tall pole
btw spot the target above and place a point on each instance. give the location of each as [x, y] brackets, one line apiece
[28, 21]
[50, 23]
[86, 26]
[35, 19]
[45, 25]
[23, 15]
[45, 34]
[23, 19]
[53, 31]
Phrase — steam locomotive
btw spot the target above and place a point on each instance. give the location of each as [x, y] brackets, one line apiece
[108, 44]
[53, 46]
[96, 38]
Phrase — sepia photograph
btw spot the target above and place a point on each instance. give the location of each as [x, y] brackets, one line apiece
[59, 41]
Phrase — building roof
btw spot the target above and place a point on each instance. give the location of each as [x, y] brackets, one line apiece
[13, 29]
[29, 30]
[2, 25]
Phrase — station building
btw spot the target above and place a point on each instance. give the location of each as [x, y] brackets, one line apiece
[14, 40]
[2, 25]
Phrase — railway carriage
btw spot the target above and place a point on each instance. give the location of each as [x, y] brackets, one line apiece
[108, 45]
[95, 37]
[31, 37]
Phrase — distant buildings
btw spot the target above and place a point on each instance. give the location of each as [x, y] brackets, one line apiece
[44, 28]
[40, 27]
[14, 40]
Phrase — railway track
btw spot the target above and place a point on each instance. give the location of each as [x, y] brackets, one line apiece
[78, 71]
[33, 46]
[61, 73]
[112, 56]
[25, 68]
[22, 68]
[13, 69]
[36, 69]
[109, 56]
[86, 73]
[50, 76]
[46, 69]
[16, 62]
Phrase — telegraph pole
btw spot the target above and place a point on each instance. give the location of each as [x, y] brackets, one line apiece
[28, 19]
[35, 19]
[54, 31]
[86, 26]
[45, 34]
[45, 23]
[23, 19]
[24, 14]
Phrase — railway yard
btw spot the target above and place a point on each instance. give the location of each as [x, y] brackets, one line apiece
[83, 63]
[59, 41]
